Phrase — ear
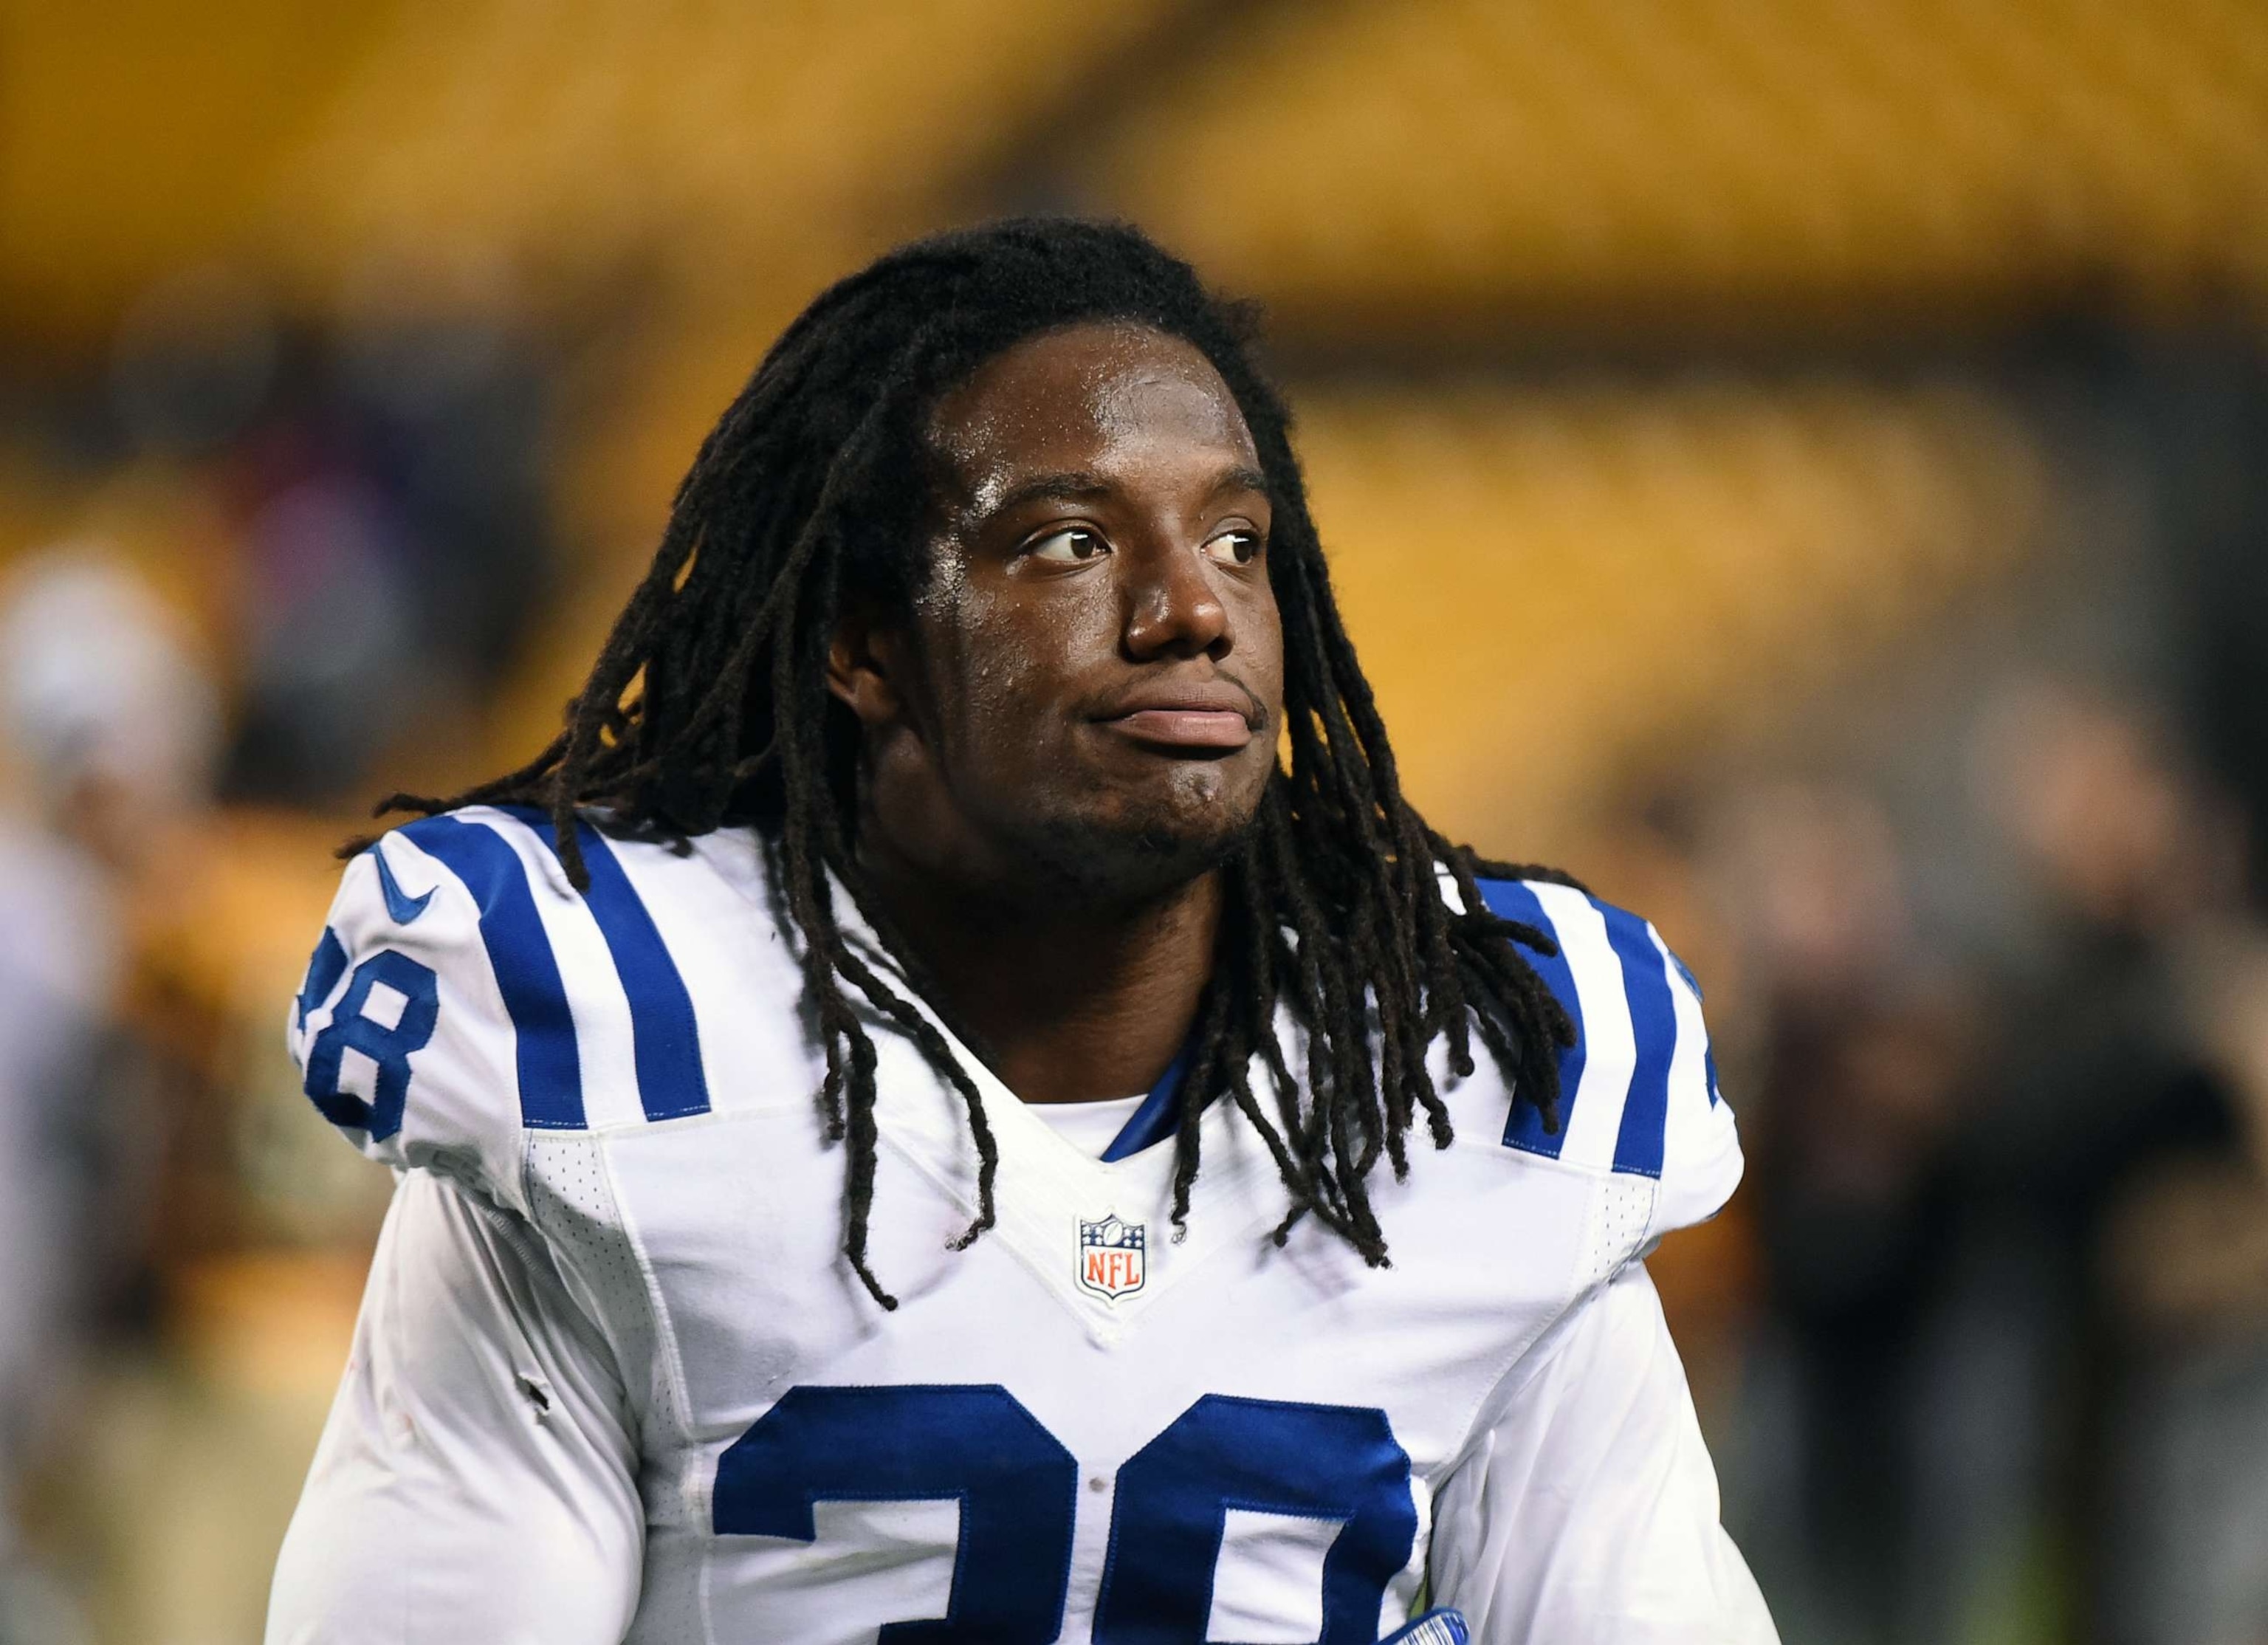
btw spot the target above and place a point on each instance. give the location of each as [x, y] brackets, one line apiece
[864, 660]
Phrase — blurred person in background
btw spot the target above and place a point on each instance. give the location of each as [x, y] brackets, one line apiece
[380, 480]
[112, 727]
[2114, 1177]
[2011, 1202]
[1863, 1047]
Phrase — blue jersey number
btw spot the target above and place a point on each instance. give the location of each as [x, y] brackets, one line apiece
[388, 1045]
[1316, 1462]
[1017, 1486]
[1015, 1482]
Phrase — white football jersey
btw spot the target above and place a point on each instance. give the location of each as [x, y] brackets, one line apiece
[614, 1380]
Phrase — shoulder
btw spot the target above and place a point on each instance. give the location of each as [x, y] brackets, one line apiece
[463, 993]
[1638, 1090]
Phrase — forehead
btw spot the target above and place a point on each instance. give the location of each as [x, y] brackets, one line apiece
[1092, 397]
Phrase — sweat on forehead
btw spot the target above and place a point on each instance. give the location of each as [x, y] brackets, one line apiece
[1074, 399]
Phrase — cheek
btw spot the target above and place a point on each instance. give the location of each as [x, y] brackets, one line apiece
[1261, 645]
[1006, 670]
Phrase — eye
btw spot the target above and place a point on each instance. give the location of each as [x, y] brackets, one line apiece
[1070, 546]
[1235, 548]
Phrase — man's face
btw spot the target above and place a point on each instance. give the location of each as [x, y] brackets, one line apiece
[1088, 696]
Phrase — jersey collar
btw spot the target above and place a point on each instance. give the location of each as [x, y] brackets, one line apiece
[1159, 1117]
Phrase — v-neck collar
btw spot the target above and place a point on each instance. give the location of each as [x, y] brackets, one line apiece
[1159, 1117]
[1048, 1188]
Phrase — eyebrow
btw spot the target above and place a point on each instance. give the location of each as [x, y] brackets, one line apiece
[1075, 486]
[1078, 485]
[1241, 480]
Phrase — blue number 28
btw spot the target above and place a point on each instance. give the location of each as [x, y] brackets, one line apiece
[388, 1045]
[1017, 1489]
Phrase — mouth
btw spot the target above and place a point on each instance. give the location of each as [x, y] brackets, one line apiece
[1218, 717]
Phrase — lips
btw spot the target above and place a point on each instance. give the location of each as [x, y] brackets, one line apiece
[1216, 715]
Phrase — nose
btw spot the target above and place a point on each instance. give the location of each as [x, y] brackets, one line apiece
[1173, 607]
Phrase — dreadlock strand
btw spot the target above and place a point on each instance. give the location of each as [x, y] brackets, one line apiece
[863, 1153]
[1267, 956]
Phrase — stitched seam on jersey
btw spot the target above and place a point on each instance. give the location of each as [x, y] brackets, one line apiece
[534, 1250]
[525, 1149]
[1535, 1152]
[800, 1102]
[1561, 1162]
[1503, 1381]
[535, 1258]
[553, 1237]
[1630, 1250]
[665, 1330]
[1503, 1378]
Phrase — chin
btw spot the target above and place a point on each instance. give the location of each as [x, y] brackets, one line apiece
[1143, 847]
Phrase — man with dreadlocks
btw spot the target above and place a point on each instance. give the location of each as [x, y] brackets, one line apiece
[957, 1101]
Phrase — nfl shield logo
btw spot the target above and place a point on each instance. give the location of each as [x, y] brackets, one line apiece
[1111, 1257]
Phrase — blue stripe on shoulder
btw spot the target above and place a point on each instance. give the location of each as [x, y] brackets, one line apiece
[1654, 1026]
[528, 975]
[1509, 899]
[665, 1038]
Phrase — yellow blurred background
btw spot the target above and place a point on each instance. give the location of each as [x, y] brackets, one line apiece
[1796, 463]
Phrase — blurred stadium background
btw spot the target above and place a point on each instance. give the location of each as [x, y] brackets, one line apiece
[1797, 463]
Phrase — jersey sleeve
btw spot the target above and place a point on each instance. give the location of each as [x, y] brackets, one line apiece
[1584, 1511]
[1638, 1101]
[1701, 1161]
[475, 1484]
[432, 1027]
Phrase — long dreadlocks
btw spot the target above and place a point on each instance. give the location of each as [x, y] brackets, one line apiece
[806, 498]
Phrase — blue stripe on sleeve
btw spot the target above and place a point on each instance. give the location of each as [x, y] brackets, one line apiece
[664, 1038]
[549, 1065]
[1653, 1025]
[1508, 899]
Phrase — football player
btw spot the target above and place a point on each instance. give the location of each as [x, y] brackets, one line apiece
[958, 1102]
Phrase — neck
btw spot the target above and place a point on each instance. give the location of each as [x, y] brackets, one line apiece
[1068, 1004]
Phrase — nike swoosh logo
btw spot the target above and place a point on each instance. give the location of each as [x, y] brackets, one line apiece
[404, 908]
